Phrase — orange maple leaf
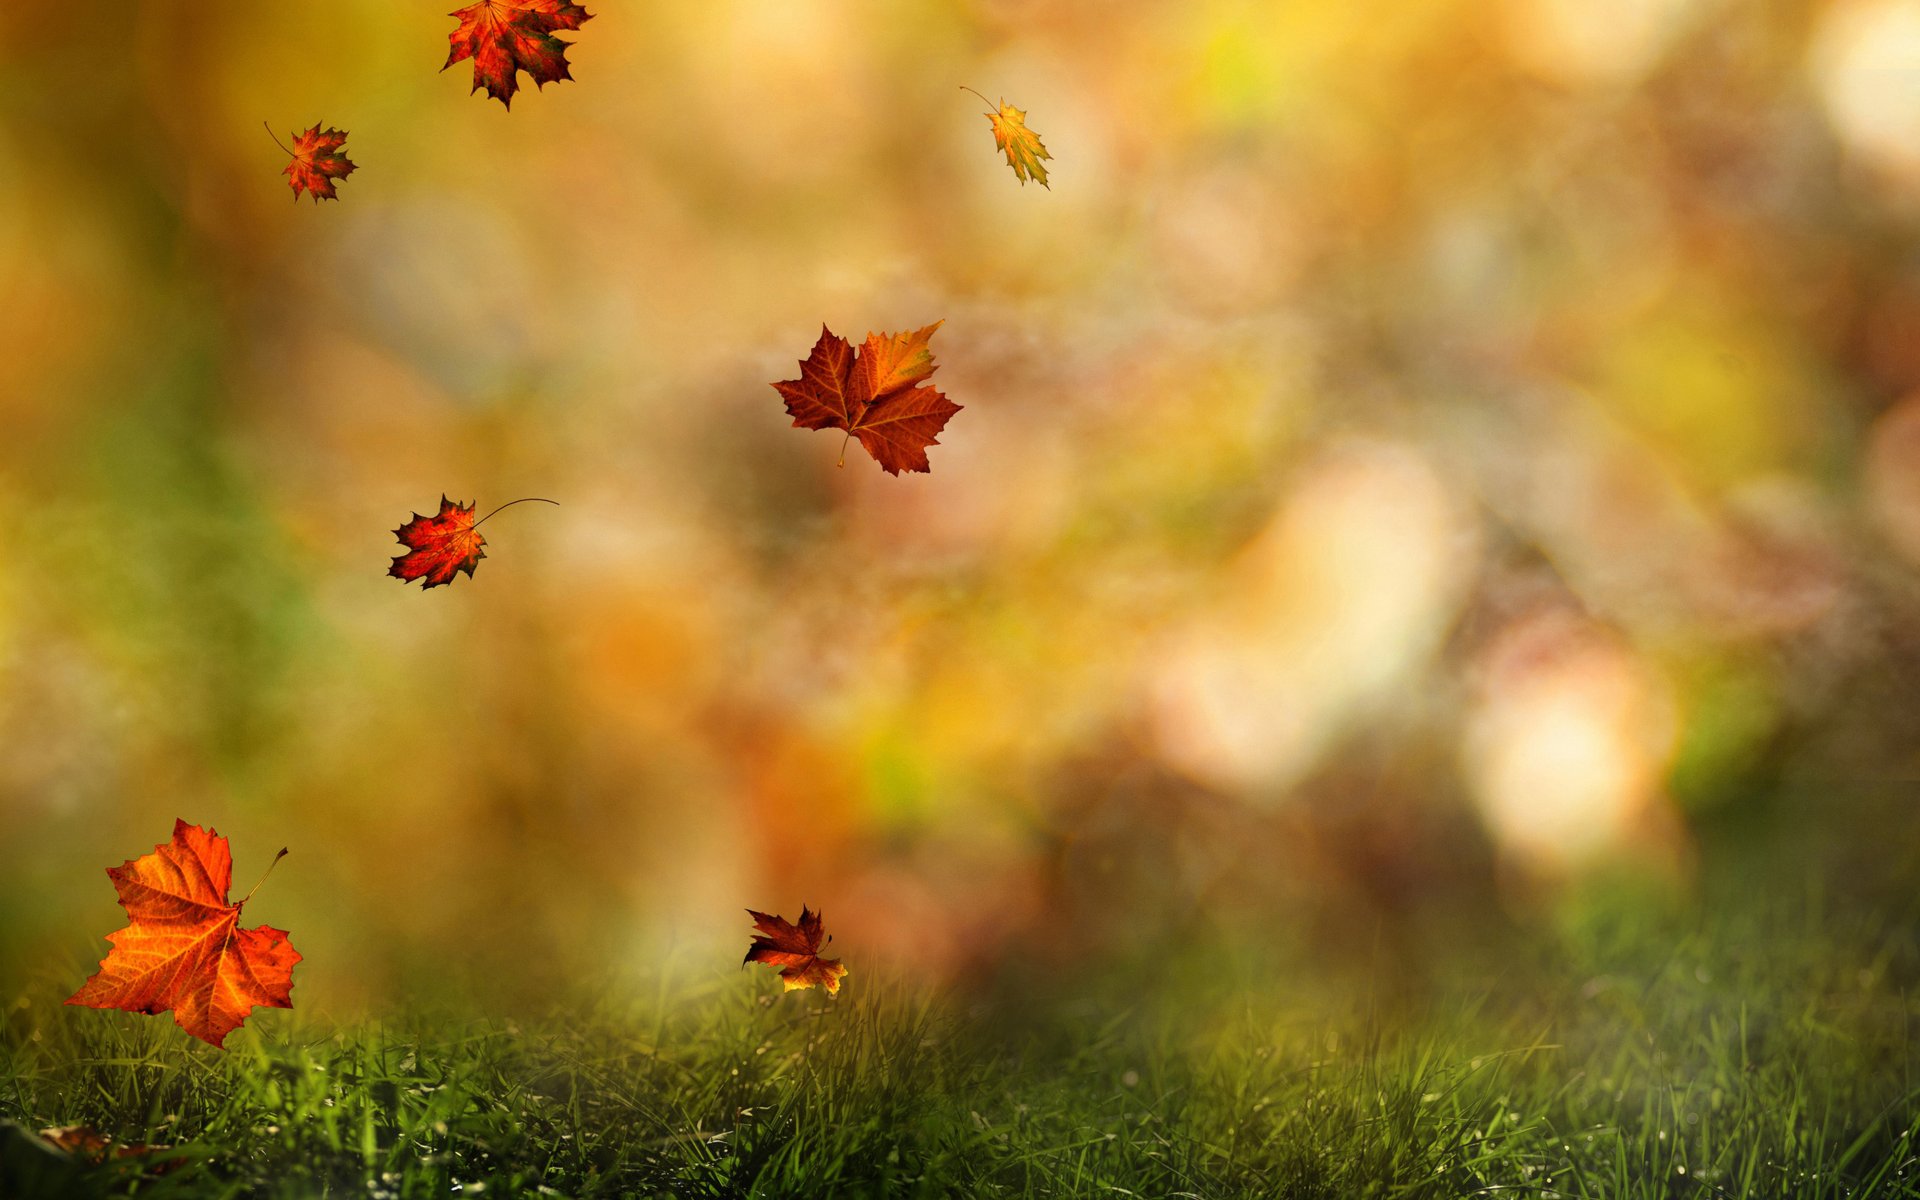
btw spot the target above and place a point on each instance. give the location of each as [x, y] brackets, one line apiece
[441, 546]
[874, 395]
[504, 37]
[317, 161]
[795, 949]
[184, 949]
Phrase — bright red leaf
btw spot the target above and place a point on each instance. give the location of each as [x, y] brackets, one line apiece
[318, 160]
[183, 949]
[795, 949]
[874, 394]
[504, 37]
[441, 546]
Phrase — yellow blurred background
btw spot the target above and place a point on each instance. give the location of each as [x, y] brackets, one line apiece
[1417, 453]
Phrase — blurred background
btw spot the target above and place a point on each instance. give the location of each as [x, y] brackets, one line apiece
[1422, 462]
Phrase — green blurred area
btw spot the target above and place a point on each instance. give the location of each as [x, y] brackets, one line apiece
[1426, 468]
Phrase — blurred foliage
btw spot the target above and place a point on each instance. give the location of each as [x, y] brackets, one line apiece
[1419, 459]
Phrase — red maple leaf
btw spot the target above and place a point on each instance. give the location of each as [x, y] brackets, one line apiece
[184, 949]
[504, 37]
[441, 546]
[317, 162]
[874, 394]
[795, 949]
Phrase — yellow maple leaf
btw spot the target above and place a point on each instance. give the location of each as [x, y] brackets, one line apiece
[1020, 144]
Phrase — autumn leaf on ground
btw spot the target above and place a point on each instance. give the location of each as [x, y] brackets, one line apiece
[318, 160]
[184, 949]
[1020, 144]
[875, 396]
[82, 1140]
[88, 1144]
[795, 949]
[441, 546]
[504, 37]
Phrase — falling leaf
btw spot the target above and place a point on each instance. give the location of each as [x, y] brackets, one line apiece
[184, 949]
[875, 396]
[504, 37]
[441, 546]
[317, 162]
[1020, 144]
[795, 949]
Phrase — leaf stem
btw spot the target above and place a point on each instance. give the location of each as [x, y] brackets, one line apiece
[983, 99]
[510, 504]
[277, 142]
[843, 449]
[263, 876]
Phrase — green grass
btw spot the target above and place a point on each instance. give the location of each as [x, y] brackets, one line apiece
[1704, 1065]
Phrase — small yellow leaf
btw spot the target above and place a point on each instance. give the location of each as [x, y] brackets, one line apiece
[1020, 144]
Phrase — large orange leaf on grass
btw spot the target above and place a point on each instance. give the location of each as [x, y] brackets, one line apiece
[505, 37]
[795, 949]
[874, 394]
[183, 949]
